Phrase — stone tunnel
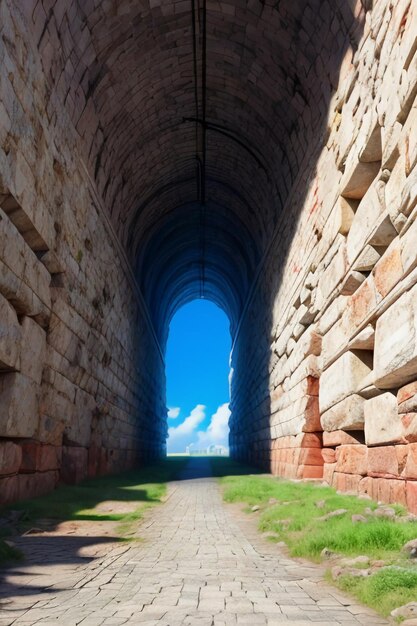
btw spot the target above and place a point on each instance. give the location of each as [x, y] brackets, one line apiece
[261, 154]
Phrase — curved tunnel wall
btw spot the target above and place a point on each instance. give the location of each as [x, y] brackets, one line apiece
[130, 76]
[151, 155]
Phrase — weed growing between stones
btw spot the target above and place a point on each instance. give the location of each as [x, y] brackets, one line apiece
[316, 523]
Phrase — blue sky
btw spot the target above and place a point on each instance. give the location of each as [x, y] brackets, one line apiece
[197, 369]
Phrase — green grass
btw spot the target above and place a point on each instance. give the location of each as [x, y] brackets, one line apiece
[294, 519]
[8, 553]
[387, 589]
[141, 488]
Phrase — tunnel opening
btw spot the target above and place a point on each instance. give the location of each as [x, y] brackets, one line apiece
[197, 380]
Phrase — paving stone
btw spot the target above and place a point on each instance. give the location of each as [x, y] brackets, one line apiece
[122, 587]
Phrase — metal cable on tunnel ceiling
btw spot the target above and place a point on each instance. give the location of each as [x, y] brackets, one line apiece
[195, 74]
[222, 130]
[203, 173]
[201, 161]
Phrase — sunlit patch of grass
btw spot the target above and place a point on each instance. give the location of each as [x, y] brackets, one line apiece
[295, 517]
[385, 590]
[292, 513]
[378, 538]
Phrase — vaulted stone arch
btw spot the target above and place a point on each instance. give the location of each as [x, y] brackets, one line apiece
[135, 77]
[253, 152]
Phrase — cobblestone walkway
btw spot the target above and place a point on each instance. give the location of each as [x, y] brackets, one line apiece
[199, 563]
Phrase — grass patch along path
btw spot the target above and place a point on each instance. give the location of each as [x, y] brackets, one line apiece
[108, 506]
[303, 516]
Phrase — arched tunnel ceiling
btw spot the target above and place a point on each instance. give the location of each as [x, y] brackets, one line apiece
[132, 77]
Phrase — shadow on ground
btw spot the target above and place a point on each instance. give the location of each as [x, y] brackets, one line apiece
[205, 466]
[42, 551]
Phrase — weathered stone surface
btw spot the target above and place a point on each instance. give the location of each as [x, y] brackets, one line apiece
[407, 392]
[309, 471]
[369, 211]
[22, 261]
[409, 422]
[74, 464]
[360, 306]
[310, 456]
[366, 259]
[33, 485]
[339, 437]
[9, 489]
[409, 470]
[351, 283]
[297, 366]
[33, 350]
[384, 461]
[39, 458]
[411, 496]
[408, 406]
[333, 275]
[371, 149]
[328, 455]
[301, 415]
[23, 223]
[344, 213]
[283, 396]
[382, 422]
[352, 459]
[328, 472]
[408, 247]
[358, 178]
[389, 270]
[345, 415]
[396, 343]
[383, 233]
[390, 136]
[19, 411]
[52, 263]
[50, 430]
[10, 336]
[346, 482]
[407, 611]
[394, 188]
[335, 342]
[10, 457]
[78, 429]
[333, 312]
[364, 340]
[343, 378]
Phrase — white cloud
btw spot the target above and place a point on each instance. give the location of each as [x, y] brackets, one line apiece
[187, 433]
[179, 437]
[173, 412]
[217, 431]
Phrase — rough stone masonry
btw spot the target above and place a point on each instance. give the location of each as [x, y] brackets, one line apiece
[299, 120]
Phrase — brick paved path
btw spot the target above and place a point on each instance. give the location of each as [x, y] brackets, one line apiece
[199, 563]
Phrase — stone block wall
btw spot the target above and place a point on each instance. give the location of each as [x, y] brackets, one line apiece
[330, 332]
[81, 375]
